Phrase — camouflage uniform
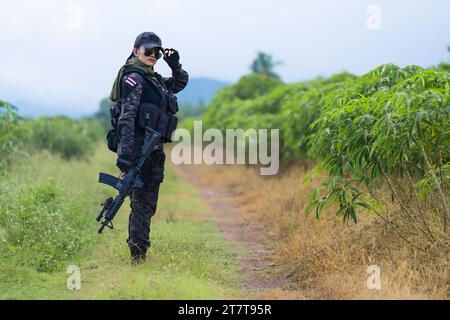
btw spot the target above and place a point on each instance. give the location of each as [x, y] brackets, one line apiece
[135, 90]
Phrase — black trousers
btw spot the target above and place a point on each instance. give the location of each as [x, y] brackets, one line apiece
[144, 203]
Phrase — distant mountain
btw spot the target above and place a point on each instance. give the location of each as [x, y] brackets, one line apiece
[197, 90]
[200, 89]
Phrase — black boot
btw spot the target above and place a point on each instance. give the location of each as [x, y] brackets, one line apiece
[138, 255]
[138, 258]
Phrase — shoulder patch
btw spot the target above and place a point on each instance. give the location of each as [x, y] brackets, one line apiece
[131, 82]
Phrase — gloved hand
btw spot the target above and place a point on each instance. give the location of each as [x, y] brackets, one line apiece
[172, 57]
[124, 163]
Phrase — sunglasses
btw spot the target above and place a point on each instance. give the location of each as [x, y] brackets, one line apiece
[155, 51]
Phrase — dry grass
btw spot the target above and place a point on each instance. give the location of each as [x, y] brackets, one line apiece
[324, 258]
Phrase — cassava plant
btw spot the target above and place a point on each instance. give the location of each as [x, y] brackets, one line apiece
[390, 126]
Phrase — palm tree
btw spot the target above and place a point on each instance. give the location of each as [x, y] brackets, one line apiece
[263, 64]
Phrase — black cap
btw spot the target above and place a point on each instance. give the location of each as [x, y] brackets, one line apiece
[149, 40]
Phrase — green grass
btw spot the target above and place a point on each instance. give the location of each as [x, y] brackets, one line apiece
[188, 259]
[47, 206]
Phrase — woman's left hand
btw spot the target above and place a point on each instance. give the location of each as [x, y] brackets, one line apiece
[172, 57]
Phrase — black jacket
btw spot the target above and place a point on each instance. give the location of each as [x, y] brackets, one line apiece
[135, 90]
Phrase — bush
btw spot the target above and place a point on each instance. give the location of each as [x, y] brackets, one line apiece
[48, 207]
[11, 131]
[292, 108]
[390, 123]
[300, 109]
[67, 137]
[40, 227]
[41, 224]
[388, 119]
[61, 135]
[225, 111]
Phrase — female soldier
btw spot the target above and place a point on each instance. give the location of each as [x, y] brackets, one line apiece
[138, 83]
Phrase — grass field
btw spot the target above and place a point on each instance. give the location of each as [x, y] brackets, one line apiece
[188, 260]
[48, 207]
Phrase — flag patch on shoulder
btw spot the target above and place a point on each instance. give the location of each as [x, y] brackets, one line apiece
[130, 82]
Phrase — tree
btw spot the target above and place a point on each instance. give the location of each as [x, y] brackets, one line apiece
[102, 115]
[444, 66]
[263, 64]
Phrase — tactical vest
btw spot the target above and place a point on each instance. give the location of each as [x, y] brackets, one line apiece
[160, 117]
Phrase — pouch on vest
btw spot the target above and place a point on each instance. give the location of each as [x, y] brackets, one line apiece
[172, 103]
[112, 138]
[171, 126]
[163, 121]
[151, 115]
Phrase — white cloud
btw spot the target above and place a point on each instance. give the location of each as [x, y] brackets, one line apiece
[43, 60]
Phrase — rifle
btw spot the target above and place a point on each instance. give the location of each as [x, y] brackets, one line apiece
[131, 180]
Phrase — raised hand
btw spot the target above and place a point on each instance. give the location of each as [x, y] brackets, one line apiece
[172, 57]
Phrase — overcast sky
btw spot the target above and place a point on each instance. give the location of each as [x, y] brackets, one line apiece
[62, 56]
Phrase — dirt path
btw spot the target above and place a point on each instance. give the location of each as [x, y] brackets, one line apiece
[261, 276]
